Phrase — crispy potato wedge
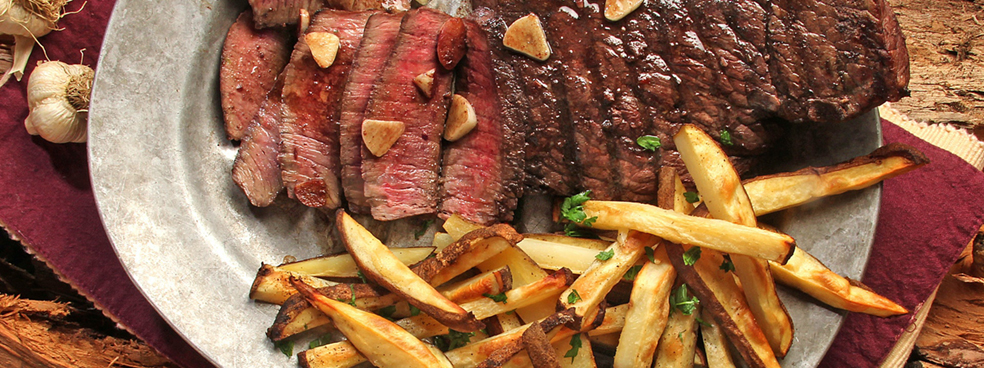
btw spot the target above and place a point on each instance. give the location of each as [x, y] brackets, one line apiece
[342, 265]
[457, 226]
[470, 250]
[378, 264]
[682, 229]
[272, 284]
[296, 315]
[807, 274]
[604, 343]
[475, 288]
[537, 345]
[594, 284]
[773, 193]
[525, 271]
[336, 355]
[554, 256]
[474, 354]
[546, 288]
[725, 198]
[382, 342]
[648, 309]
[508, 321]
[442, 240]
[715, 344]
[596, 244]
[679, 341]
[614, 320]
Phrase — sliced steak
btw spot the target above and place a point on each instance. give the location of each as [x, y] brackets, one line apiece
[273, 13]
[375, 49]
[251, 61]
[471, 175]
[834, 59]
[514, 112]
[309, 155]
[404, 181]
[256, 170]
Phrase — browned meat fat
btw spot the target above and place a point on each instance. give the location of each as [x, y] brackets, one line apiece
[274, 13]
[309, 155]
[251, 61]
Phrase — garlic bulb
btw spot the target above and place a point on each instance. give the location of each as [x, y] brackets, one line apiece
[27, 20]
[58, 98]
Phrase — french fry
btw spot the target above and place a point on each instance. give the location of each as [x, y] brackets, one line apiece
[682, 229]
[296, 315]
[382, 342]
[336, 355]
[468, 251]
[457, 226]
[594, 284]
[648, 310]
[442, 240]
[508, 321]
[807, 274]
[715, 344]
[773, 193]
[605, 343]
[492, 282]
[379, 265]
[614, 320]
[679, 341]
[596, 244]
[725, 198]
[538, 347]
[545, 288]
[525, 271]
[554, 256]
[272, 284]
[473, 354]
[342, 265]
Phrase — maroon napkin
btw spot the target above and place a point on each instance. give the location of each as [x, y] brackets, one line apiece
[46, 201]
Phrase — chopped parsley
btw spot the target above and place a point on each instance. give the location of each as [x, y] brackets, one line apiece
[691, 197]
[691, 256]
[572, 209]
[726, 138]
[631, 274]
[323, 340]
[362, 277]
[651, 254]
[701, 321]
[573, 297]
[727, 265]
[423, 229]
[352, 290]
[575, 346]
[452, 340]
[649, 142]
[571, 229]
[414, 311]
[286, 347]
[387, 312]
[498, 298]
[605, 255]
[682, 301]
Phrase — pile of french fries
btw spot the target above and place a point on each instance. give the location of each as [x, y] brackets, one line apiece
[692, 278]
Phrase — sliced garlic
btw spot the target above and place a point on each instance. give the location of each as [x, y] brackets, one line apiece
[305, 21]
[380, 135]
[526, 36]
[618, 9]
[324, 46]
[461, 118]
[425, 82]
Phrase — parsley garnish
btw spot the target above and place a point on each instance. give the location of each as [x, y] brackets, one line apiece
[691, 256]
[323, 340]
[682, 300]
[286, 347]
[701, 321]
[631, 274]
[727, 265]
[452, 340]
[498, 298]
[572, 209]
[575, 346]
[605, 255]
[352, 289]
[573, 297]
[651, 254]
[726, 138]
[362, 277]
[691, 197]
[414, 311]
[423, 229]
[387, 312]
[571, 229]
[649, 142]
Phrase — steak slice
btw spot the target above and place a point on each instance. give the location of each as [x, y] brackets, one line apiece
[274, 13]
[256, 170]
[404, 181]
[251, 61]
[472, 181]
[375, 49]
[309, 154]
[834, 59]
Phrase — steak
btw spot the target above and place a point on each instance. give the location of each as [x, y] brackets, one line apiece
[377, 45]
[309, 154]
[404, 181]
[256, 170]
[251, 61]
[273, 13]
[472, 172]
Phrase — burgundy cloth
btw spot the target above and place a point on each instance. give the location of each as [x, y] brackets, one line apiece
[927, 217]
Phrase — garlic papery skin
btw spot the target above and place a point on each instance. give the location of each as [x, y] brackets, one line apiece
[58, 99]
[27, 20]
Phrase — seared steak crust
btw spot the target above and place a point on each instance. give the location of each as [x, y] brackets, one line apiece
[273, 13]
[256, 170]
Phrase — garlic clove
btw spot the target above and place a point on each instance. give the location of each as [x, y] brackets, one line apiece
[380, 135]
[526, 36]
[461, 118]
[324, 47]
[618, 9]
[425, 82]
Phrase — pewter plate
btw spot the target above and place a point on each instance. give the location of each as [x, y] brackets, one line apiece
[190, 241]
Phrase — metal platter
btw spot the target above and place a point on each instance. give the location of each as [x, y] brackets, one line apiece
[160, 168]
